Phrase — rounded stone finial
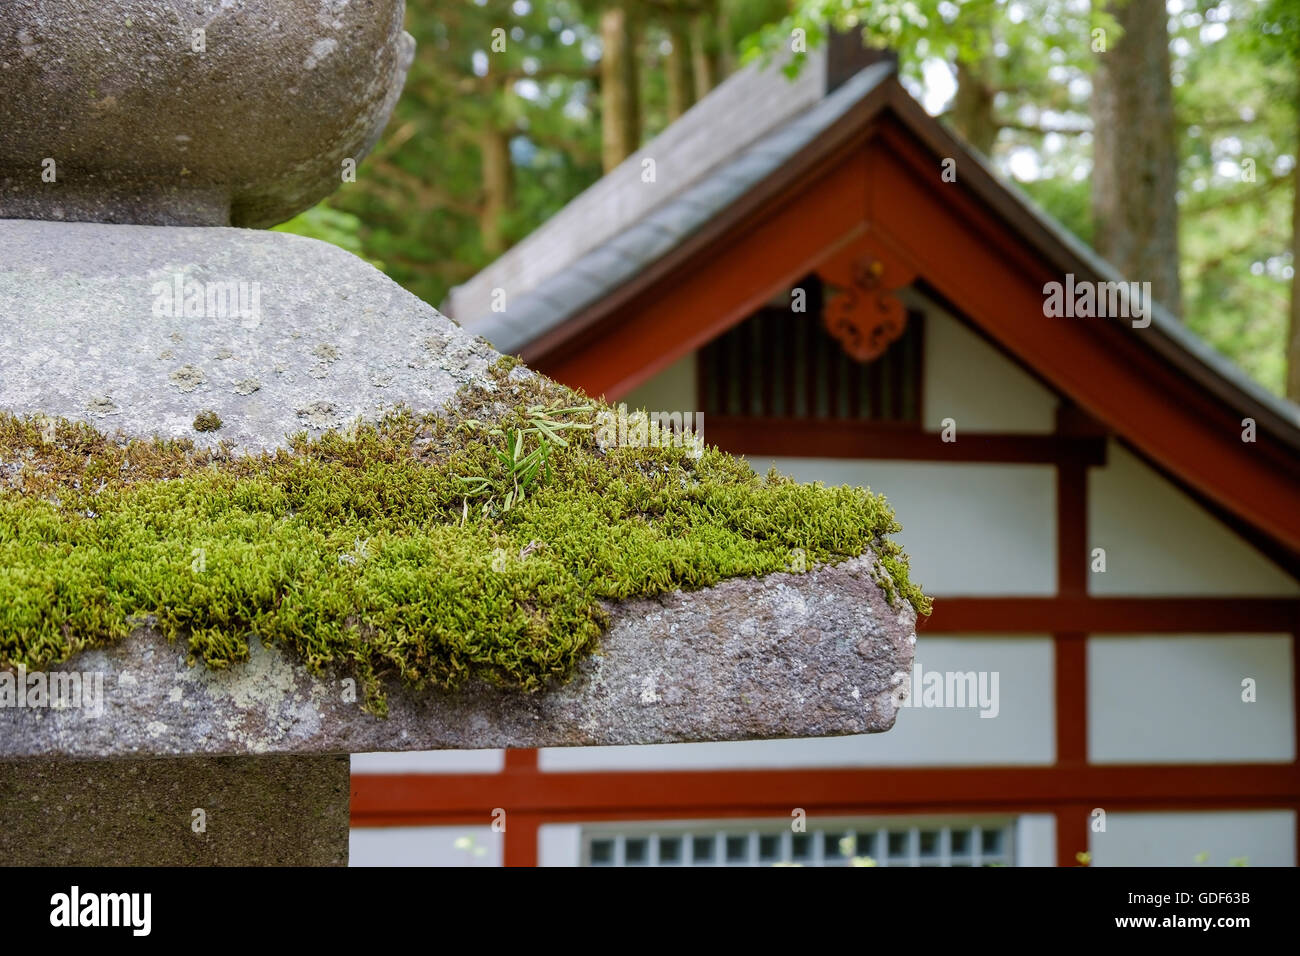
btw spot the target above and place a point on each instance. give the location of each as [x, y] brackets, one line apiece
[191, 112]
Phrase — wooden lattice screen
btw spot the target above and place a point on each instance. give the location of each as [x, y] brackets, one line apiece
[784, 364]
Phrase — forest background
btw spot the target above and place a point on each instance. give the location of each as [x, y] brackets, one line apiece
[1165, 134]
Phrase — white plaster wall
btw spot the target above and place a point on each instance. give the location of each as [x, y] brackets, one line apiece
[559, 844]
[672, 390]
[430, 761]
[1160, 542]
[971, 382]
[1021, 734]
[1178, 699]
[1036, 840]
[424, 846]
[970, 529]
[1263, 837]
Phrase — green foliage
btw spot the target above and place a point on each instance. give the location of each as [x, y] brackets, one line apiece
[544, 426]
[328, 224]
[360, 553]
[419, 206]
[1234, 69]
[1235, 96]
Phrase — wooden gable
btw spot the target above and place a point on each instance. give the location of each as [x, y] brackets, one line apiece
[869, 195]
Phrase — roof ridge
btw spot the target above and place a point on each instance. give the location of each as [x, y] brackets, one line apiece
[710, 134]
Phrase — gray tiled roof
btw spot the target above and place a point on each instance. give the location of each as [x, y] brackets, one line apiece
[596, 274]
[604, 269]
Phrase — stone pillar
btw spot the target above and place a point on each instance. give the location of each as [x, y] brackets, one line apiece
[184, 811]
[182, 114]
[179, 764]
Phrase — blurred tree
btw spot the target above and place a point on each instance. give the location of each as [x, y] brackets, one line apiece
[1233, 70]
[1135, 155]
[495, 131]
[501, 124]
[620, 93]
[1236, 119]
[1276, 35]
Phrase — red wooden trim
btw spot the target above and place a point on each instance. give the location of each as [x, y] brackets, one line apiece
[935, 140]
[386, 798]
[826, 154]
[1070, 648]
[1072, 524]
[1071, 685]
[885, 194]
[777, 247]
[1072, 833]
[821, 438]
[520, 839]
[520, 761]
[973, 259]
[1111, 615]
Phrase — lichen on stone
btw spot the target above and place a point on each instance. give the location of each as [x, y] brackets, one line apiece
[406, 549]
[207, 421]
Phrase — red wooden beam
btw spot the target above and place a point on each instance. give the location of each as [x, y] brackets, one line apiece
[875, 181]
[972, 259]
[379, 799]
[1070, 648]
[804, 438]
[1071, 833]
[1071, 693]
[708, 294]
[1111, 615]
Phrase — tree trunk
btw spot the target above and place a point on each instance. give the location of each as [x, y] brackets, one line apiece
[702, 63]
[681, 93]
[972, 109]
[1293, 325]
[498, 188]
[724, 61]
[1135, 155]
[620, 120]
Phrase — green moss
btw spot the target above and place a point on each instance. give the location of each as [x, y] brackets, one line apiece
[207, 421]
[373, 555]
[503, 366]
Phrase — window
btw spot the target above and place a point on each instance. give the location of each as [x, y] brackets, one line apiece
[784, 364]
[889, 842]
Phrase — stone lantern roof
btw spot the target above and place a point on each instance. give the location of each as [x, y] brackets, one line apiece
[132, 323]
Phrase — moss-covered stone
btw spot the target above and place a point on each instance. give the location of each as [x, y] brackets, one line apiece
[207, 421]
[476, 545]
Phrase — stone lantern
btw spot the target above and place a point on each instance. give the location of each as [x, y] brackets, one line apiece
[142, 143]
